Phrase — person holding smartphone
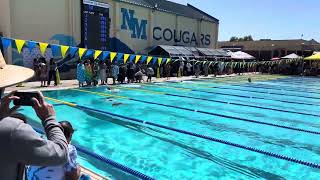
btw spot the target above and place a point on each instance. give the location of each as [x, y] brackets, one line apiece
[20, 144]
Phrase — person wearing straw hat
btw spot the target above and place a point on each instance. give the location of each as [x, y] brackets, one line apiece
[20, 144]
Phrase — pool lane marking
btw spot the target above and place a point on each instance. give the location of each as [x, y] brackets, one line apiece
[262, 86]
[218, 101]
[210, 113]
[243, 96]
[255, 85]
[278, 156]
[237, 89]
[117, 165]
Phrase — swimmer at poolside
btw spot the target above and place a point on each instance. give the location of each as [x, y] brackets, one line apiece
[249, 80]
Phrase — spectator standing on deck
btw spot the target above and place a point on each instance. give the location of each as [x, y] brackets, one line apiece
[167, 70]
[52, 72]
[43, 74]
[150, 73]
[115, 72]
[189, 68]
[122, 73]
[88, 73]
[81, 76]
[131, 72]
[103, 72]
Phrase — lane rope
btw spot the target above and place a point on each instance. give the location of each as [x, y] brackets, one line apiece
[210, 113]
[219, 101]
[106, 160]
[252, 149]
[250, 97]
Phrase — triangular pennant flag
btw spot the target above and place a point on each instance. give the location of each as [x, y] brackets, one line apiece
[137, 58]
[119, 56]
[73, 51]
[20, 43]
[126, 57]
[5, 43]
[132, 56]
[159, 61]
[89, 53]
[64, 50]
[143, 59]
[31, 45]
[55, 49]
[43, 47]
[112, 56]
[164, 60]
[105, 54]
[81, 52]
[149, 59]
[154, 60]
[168, 60]
[97, 53]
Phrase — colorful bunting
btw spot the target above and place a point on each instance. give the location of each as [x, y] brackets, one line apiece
[143, 59]
[89, 53]
[105, 55]
[55, 49]
[159, 61]
[81, 52]
[126, 57]
[31, 45]
[112, 56]
[137, 59]
[119, 56]
[64, 50]
[43, 47]
[132, 57]
[168, 60]
[20, 43]
[154, 60]
[6, 43]
[149, 59]
[97, 53]
[73, 51]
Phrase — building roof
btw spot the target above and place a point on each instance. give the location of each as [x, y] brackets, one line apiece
[175, 8]
[266, 44]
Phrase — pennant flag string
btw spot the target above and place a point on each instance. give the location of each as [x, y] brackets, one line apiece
[97, 53]
[149, 59]
[105, 55]
[112, 56]
[64, 50]
[43, 47]
[31, 45]
[20, 43]
[137, 58]
[81, 52]
[55, 49]
[132, 56]
[73, 51]
[126, 57]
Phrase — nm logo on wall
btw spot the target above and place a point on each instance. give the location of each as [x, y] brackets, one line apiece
[130, 22]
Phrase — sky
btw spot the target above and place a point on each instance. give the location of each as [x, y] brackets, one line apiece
[263, 19]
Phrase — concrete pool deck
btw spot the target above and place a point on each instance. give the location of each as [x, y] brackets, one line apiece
[70, 84]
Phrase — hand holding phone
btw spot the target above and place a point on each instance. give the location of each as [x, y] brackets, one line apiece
[25, 98]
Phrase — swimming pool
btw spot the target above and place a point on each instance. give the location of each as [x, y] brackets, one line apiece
[274, 114]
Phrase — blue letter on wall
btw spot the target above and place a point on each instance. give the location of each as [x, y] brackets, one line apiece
[138, 29]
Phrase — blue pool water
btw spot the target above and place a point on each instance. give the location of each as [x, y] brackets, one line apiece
[206, 108]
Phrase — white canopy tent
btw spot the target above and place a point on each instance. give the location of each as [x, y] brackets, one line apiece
[291, 56]
[239, 55]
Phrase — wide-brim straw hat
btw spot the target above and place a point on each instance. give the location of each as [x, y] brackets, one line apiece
[11, 74]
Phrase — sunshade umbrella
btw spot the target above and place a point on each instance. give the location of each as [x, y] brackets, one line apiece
[315, 57]
[291, 56]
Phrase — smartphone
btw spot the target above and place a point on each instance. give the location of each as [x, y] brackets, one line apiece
[25, 98]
